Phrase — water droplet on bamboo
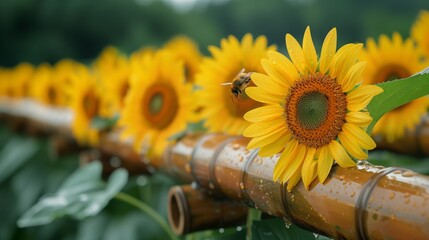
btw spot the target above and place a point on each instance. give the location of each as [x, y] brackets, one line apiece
[392, 195]
[242, 185]
[211, 185]
[235, 146]
[408, 174]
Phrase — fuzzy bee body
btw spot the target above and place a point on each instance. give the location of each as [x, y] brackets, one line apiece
[239, 83]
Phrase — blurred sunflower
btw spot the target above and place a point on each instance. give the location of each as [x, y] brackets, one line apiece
[85, 102]
[158, 103]
[14, 82]
[315, 109]
[187, 51]
[221, 111]
[420, 32]
[394, 59]
[108, 60]
[62, 75]
[116, 84]
[45, 88]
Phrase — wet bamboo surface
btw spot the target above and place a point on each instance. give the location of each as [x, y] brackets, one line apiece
[364, 202]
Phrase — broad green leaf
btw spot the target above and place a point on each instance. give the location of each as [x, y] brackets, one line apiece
[103, 123]
[14, 153]
[82, 195]
[275, 229]
[397, 93]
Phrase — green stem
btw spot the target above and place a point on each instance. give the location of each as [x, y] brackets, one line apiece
[252, 215]
[148, 210]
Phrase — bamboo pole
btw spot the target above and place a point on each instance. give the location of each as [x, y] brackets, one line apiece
[364, 202]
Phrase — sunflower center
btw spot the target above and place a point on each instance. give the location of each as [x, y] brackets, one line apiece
[392, 72]
[52, 95]
[312, 109]
[160, 105]
[315, 110]
[91, 105]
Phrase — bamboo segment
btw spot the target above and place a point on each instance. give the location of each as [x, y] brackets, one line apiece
[364, 202]
[190, 210]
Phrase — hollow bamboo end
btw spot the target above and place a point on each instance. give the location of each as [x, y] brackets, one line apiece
[177, 205]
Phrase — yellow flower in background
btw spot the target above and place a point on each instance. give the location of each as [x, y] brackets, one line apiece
[315, 110]
[137, 58]
[108, 60]
[158, 104]
[63, 72]
[420, 32]
[394, 59]
[221, 111]
[44, 88]
[115, 86]
[14, 82]
[85, 103]
[187, 51]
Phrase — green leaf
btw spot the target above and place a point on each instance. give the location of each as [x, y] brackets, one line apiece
[82, 195]
[103, 123]
[275, 229]
[14, 154]
[397, 93]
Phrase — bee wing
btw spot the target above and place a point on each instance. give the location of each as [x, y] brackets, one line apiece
[241, 71]
[226, 84]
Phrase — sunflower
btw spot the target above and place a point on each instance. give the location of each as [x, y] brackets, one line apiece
[315, 109]
[420, 32]
[115, 86]
[85, 102]
[222, 112]
[157, 105]
[187, 51]
[108, 60]
[14, 82]
[62, 76]
[394, 59]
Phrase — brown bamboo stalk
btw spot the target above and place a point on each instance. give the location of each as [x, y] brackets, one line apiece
[364, 202]
[191, 209]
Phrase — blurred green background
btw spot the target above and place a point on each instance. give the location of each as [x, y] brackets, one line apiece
[48, 30]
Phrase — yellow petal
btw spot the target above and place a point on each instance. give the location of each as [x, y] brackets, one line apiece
[294, 179]
[294, 163]
[353, 76]
[284, 66]
[344, 59]
[361, 96]
[340, 155]
[362, 119]
[263, 128]
[265, 113]
[260, 95]
[360, 136]
[309, 50]
[287, 155]
[324, 163]
[269, 84]
[275, 147]
[309, 167]
[266, 139]
[296, 54]
[352, 147]
[328, 50]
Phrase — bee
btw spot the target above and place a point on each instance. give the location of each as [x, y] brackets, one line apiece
[239, 83]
